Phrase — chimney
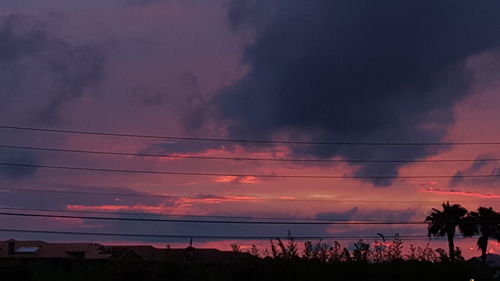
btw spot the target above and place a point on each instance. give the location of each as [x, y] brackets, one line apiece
[11, 247]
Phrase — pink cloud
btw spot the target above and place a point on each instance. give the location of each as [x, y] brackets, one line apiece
[234, 179]
[159, 209]
[458, 192]
[218, 199]
[225, 179]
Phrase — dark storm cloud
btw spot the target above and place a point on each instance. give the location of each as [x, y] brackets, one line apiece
[477, 167]
[87, 196]
[183, 94]
[356, 70]
[378, 214]
[182, 147]
[144, 2]
[15, 173]
[150, 97]
[265, 230]
[40, 73]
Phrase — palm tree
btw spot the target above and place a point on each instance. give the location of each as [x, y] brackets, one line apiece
[444, 222]
[485, 222]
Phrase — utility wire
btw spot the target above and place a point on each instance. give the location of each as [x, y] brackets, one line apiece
[333, 222]
[243, 237]
[44, 190]
[214, 221]
[129, 135]
[241, 158]
[186, 216]
[222, 198]
[241, 175]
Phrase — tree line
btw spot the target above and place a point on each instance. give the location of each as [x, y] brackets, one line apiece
[484, 222]
[383, 251]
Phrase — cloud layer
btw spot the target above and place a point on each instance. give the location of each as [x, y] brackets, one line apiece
[384, 70]
[57, 72]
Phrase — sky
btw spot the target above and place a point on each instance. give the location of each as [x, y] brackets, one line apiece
[301, 71]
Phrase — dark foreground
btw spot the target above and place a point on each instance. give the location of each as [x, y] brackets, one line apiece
[58, 269]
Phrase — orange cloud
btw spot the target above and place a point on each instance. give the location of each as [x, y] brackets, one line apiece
[248, 179]
[233, 179]
[225, 179]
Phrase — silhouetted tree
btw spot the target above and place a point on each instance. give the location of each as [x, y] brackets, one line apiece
[361, 251]
[254, 251]
[337, 252]
[235, 247]
[485, 222]
[308, 250]
[378, 253]
[286, 250]
[445, 222]
[395, 250]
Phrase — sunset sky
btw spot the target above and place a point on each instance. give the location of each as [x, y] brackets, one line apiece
[349, 72]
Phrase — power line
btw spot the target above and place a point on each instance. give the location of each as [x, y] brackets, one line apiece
[88, 169]
[242, 158]
[90, 192]
[129, 135]
[188, 216]
[332, 222]
[44, 190]
[168, 215]
[215, 221]
[236, 237]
